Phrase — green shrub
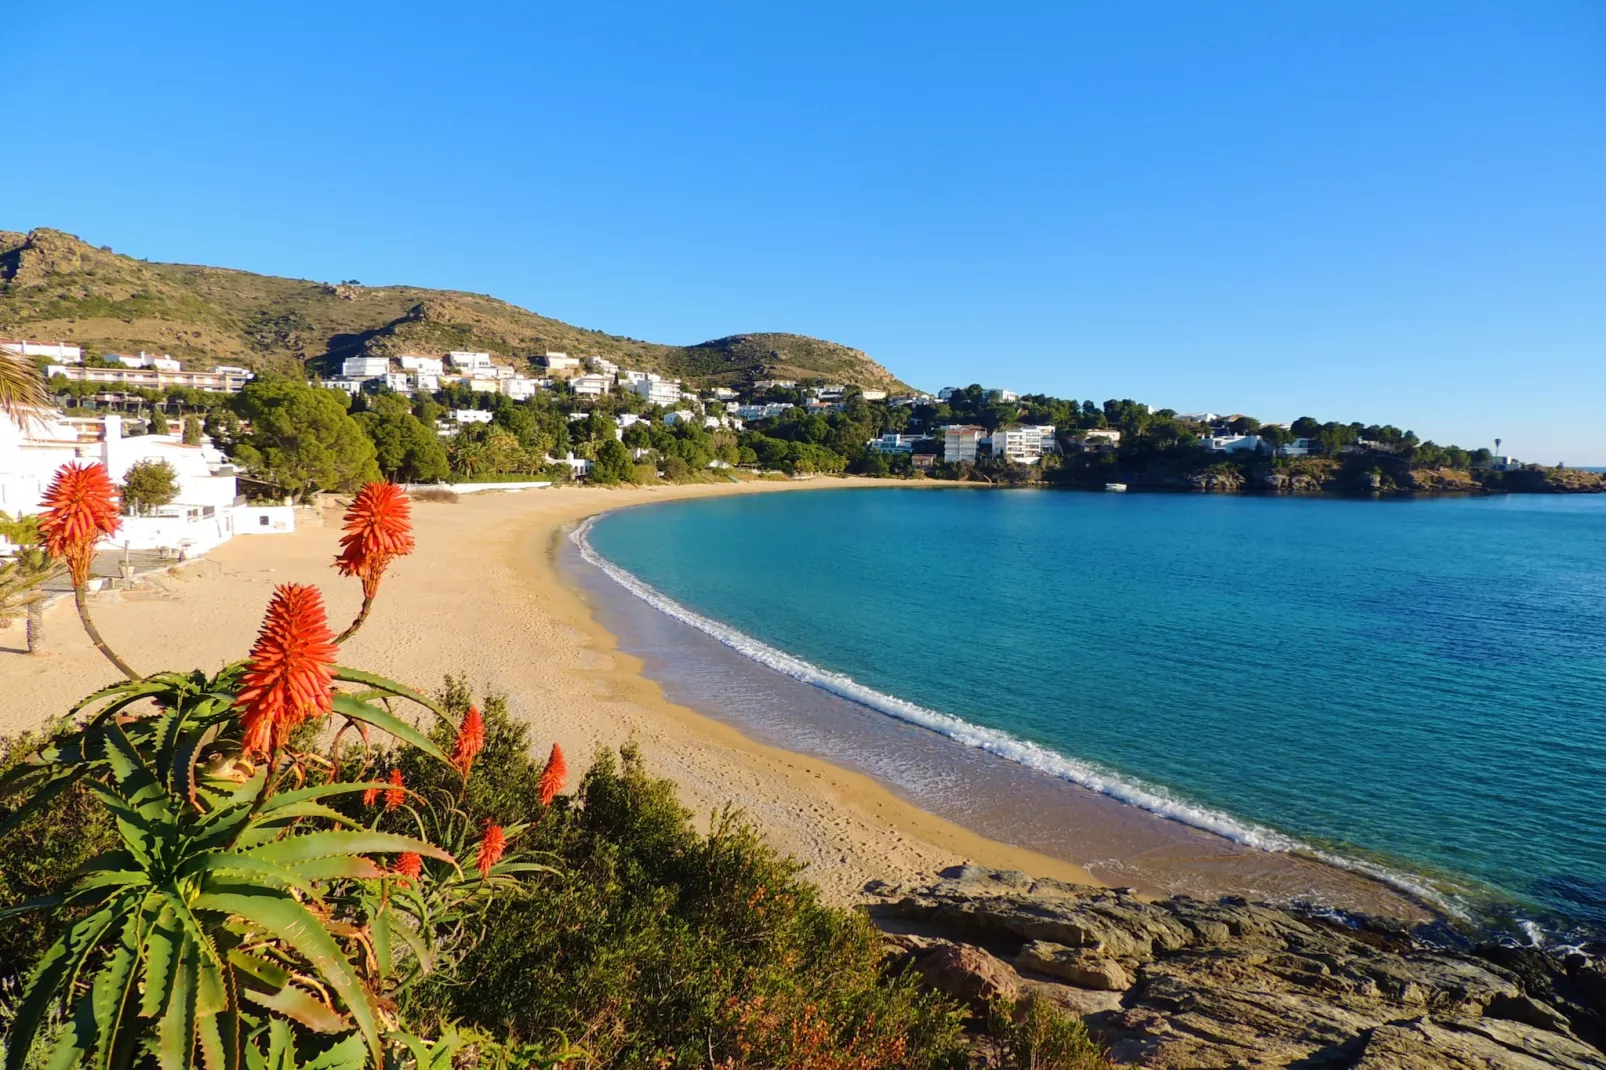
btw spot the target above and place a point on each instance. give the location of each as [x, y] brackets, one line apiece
[42, 856]
[1034, 1034]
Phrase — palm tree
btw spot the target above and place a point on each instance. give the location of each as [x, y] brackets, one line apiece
[21, 578]
[21, 386]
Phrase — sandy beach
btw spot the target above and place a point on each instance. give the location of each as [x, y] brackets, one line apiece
[480, 598]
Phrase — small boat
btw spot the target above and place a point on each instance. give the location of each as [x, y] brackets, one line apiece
[1115, 486]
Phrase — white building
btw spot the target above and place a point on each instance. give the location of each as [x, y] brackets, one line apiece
[591, 385]
[602, 366]
[560, 361]
[761, 412]
[658, 392]
[200, 517]
[350, 386]
[631, 378]
[466, 360]
[1300, 447]
[1097, 439]
[59, 352]
[484, 386]
[219, 381]
[1232, 443]
[400, 382]
[364, 367]
[895, 443]
[414, 362]
[1018, 445]
[425, 380]
[519, 388]
[1199, 417]
[772, 384]
[676, 417]
[961, 442]
[873, 395]
[948, 392]
[1003, 395]
[471, 416]
[722, 393]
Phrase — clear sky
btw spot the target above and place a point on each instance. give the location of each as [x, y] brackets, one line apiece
[1385, 210]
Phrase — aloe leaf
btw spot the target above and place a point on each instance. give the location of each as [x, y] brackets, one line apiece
[300, 928]
[339, 867]
[164, 946]
[176, 1032]
[389, 687]
[319, 791]
[327, 843]
[383, 719]
[298, 1004]
[111, 1000]
[56, 972]
[233, 863]
[347, 1054]
[269, 973]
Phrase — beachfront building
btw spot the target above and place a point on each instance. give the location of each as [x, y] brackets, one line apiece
[1300, 447]
[218, 380]
[962, 442]
[56, 352]
[1018, 445]
[1097, 440]
[658, 392]
[591, 385]
[896, 443]
[200, 517]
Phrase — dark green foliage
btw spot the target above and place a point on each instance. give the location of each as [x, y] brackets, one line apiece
[148, 484]
[406, 449]
[1034, 1034]
[42, 856]
[302, 439]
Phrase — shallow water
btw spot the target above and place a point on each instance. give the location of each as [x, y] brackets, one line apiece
[1414, 687]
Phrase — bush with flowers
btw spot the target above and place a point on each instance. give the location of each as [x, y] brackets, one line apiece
[240, 919]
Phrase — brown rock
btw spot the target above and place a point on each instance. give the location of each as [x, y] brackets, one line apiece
[968, 974]
[1083, 968]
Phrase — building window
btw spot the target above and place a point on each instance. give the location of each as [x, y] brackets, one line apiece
[262, 520]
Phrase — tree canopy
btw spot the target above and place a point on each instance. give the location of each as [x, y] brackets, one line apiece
[302, 439]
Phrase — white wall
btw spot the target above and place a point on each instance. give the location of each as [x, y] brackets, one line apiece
[264, 519]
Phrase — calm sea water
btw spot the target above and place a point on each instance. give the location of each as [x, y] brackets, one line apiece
[1418, 686]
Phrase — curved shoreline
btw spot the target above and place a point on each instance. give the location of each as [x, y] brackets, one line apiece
[482, 597]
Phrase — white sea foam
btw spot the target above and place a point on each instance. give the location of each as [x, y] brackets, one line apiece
[1152, 798]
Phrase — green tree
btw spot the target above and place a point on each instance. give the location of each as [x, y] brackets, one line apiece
[158, 421]
[612, 463]
[149, 484]
[302, 439]
[406, 449]
[192, 431]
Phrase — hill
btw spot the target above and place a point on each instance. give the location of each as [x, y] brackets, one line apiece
[54, 286]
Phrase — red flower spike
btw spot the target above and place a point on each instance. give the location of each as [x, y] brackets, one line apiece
[553, 776]
[394, 795]
[379, 528]
[409, 865]
[491, 848]
[470, 740]
[370, 796]
[288, 676]
[81, 506]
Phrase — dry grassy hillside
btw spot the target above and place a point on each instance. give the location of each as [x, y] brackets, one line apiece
[54, 286]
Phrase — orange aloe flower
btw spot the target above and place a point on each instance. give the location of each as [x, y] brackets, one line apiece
[379, 528]
[470, 740]
[491, 848]
[370, 796]
[553, 776]
[80, 507]
[409, 866]
[394, 795]
[288, 676]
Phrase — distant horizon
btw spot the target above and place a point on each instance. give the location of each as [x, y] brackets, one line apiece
[1351, 210]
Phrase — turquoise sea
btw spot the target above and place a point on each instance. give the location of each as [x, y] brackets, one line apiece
[1416, 688]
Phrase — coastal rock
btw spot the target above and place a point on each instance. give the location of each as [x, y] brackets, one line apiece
[1084, 969]
[1186, 983]
[968, 974]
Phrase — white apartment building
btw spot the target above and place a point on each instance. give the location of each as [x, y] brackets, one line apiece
[466, 360]
[896, 443]
[426, 380]
[414, 362]
[400, 382]
[1003, 395]
[676, 417]
[761, 412]
[602, 366]
[658, 392]
[519, 388]
[471, 416]
[59, 352]
[961, 442]
[484, 386]
[723, 393]
[631, 378]
[350, 386]
[1098, 439]
[1018, 445]
[364, 367]
[1045, 432]
[560, 361]
[769, 384]
[1300, 447]
[591, 385]
[217, 380]
[873, 395]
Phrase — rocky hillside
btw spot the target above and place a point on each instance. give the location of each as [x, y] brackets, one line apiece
[1188, 984]
[54, 286]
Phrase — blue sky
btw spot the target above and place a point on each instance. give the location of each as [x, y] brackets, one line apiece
[1386, 211]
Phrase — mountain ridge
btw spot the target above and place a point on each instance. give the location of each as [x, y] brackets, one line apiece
[56, 287]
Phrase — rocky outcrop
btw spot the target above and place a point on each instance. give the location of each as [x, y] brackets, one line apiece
[1185, 983]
